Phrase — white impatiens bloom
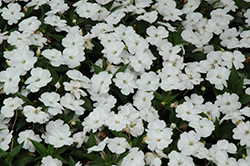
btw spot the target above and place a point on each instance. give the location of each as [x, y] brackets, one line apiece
[95, 120]
[148, 81]
[73, 56]
[142, 99]
[236, 58]
[156, 35]
[228, 103]
[117, 122]
[242, 133]
[5, 139]
[74, 88]
[12, 13]
[39, 78]
[49, 161]
[203, 127]
[218, 77]
[99, 147]
[224, 145]
[158, 135]
[100, 82]
[176, 158]
[10, 78]
[23, 63]
[25, 137]
[126, 82]
[134, 158]
[35, 115]
[69, 101]
[51, 100]
[10, 104]
[80, 138]
[189, 142]
[55, 57]
[29, 25]
[57, 134]
[187, 111]
[118, 145]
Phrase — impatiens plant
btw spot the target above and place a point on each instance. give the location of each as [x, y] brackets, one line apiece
[124, 82]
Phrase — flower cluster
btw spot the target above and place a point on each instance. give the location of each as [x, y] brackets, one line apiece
[125, 82]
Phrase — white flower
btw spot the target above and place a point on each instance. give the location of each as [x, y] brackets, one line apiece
[218, 76]
[176, 158]
[49, 161]
[99, 147]
[142, 99]
[5, 139]
[203, 127]
[148, 81]
[11, 79]
[51, 100]
[242, 133]
[100, 82]
[35, 115]
[116, 122]
[95, 120]
[57, 134]
[69, 101]
[25, 137]
[74, 88]
[187, 111]
[10, 104]
[134, 158]
[189, 142]
[236, 58]
[55, 57]
[39, 78]
[224, 145]
[228, 103]
[118, 145]
[29, 25]
[126, 82]
[23, 63]
[12, 13]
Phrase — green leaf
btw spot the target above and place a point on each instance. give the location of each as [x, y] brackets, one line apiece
[171, 98]
[91, 141]
[108, 160]
[15, 151]
[244, 98]
[69, 116]
[119, 134]
[159, 96]
[23, 160]
[60, 158]
[71, 161]
[97, 69]
[39, 147]
[56, 37]
[92, 156]
[3, 153]
[21, 122]
[233, 78]
[87, 104]
[50, 149]
[104, 64]
[25, 99]
[61, 150]
[30, 10]
[238, 88]
[121, 156]
[54, 75]
[121, 69]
